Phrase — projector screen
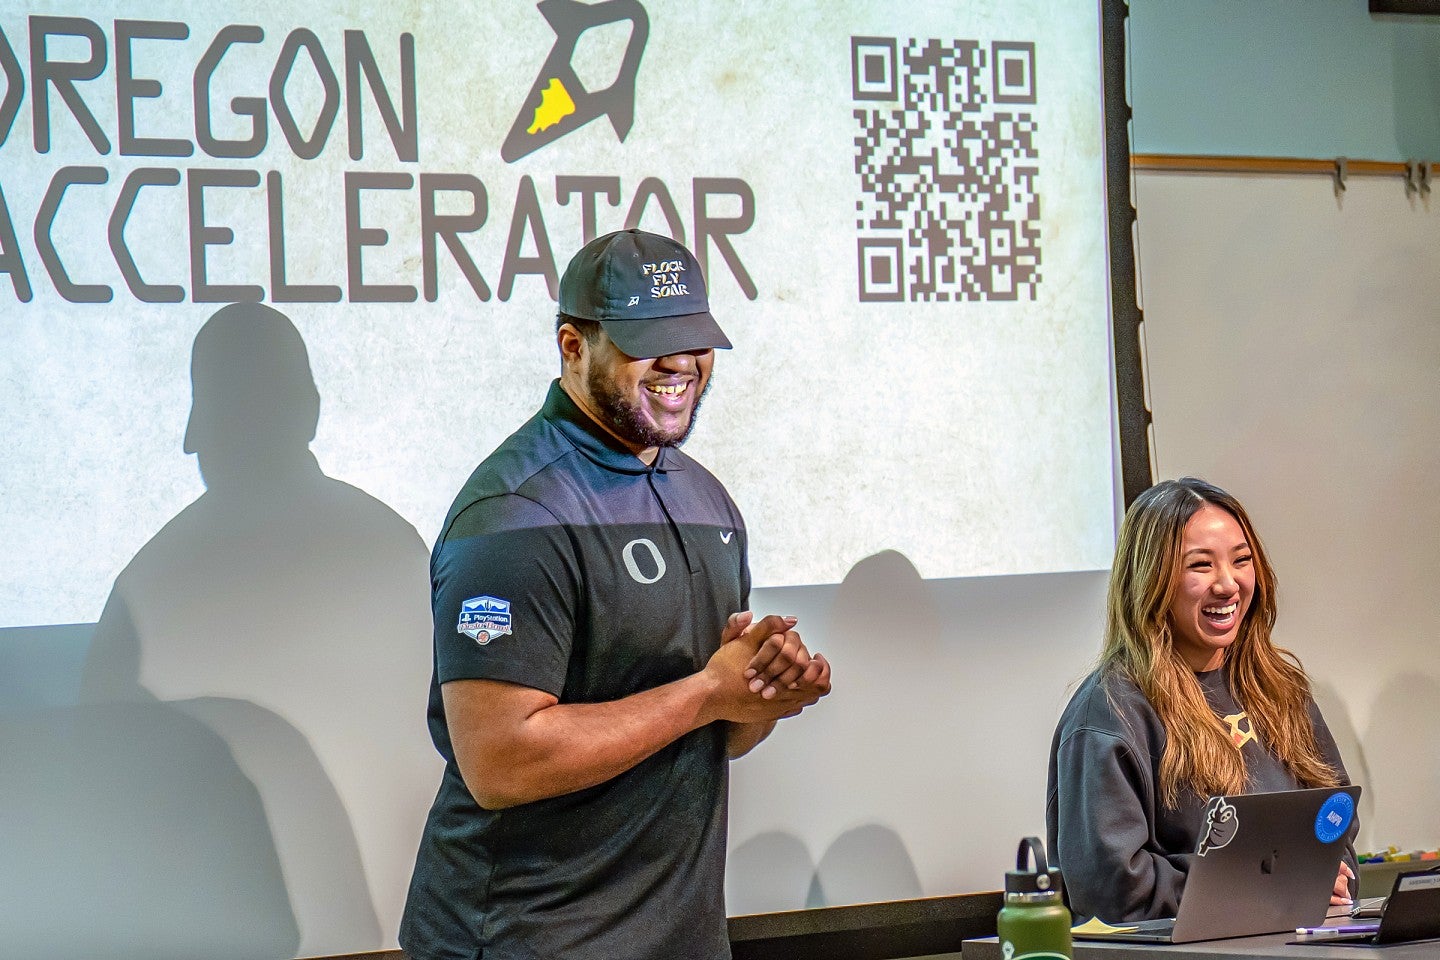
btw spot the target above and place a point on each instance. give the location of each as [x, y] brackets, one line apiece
[900, 208]
[214, 591]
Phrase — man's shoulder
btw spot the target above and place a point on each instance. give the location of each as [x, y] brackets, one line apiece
[706, 493]
[508, 473]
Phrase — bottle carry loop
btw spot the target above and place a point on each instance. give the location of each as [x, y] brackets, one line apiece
[1025, 878]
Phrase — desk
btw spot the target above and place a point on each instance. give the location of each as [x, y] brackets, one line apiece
[923, 929]
[1240, 948]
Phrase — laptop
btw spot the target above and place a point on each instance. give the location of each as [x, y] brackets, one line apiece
[1411, 913]
[1266, 863]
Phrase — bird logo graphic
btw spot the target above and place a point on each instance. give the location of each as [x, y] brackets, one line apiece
[558, 102]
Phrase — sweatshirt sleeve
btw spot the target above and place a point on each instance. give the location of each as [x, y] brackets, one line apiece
[1331, 751]
[1102, 802]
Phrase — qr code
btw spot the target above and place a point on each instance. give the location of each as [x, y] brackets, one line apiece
[949, 206]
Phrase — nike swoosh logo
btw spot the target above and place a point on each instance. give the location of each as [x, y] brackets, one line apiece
[725, 537]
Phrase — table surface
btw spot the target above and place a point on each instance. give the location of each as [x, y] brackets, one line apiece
[1270, 945]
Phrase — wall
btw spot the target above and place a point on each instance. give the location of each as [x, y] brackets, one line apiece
[1288, 78]
[925, 767]
[1292, 345]
[1292, 354]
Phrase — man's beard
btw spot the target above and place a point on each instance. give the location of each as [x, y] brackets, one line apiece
[624, 416]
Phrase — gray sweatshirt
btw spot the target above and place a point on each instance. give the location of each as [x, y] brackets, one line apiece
[1123, 854]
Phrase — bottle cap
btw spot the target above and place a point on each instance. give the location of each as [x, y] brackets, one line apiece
[1042, 878]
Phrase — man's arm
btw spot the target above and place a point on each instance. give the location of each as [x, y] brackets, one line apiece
[741, 738]
[515, 744]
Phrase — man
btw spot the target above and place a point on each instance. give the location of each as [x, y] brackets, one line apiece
[594, 663]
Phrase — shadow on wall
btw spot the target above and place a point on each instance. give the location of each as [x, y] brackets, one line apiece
[774, 870]
[130, 832]
[868, 863]
[865, 865]
[769, 872]
[918, 773]
[240, 773]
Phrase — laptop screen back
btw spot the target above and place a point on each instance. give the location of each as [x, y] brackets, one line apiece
[1266, 862]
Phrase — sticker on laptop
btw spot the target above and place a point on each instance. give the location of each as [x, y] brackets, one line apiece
[482, 619]
[1334, 817]
[1222, 822]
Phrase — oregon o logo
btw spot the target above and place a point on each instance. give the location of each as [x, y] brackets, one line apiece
[635, 573]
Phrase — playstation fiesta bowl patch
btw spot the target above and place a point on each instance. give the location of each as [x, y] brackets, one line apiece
[482, 619]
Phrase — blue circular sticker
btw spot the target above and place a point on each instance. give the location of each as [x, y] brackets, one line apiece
[1334, 817]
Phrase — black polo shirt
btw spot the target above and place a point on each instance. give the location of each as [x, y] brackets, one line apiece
[568, 565]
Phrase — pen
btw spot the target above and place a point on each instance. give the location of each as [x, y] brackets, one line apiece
[1330, 933]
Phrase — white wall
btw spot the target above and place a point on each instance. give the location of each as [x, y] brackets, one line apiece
[1293, 352]
[923, 769]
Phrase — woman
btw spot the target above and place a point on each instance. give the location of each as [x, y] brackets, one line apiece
[1191, 699]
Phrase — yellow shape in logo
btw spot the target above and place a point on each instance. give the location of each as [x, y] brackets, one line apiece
[1241, 732]
[555, 105]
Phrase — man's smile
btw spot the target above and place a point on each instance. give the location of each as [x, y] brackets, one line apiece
[669, 396]
[667, 389]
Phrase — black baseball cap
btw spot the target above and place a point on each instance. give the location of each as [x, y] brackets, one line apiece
[646, 290]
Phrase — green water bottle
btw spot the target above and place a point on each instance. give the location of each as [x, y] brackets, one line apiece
[1034, 923]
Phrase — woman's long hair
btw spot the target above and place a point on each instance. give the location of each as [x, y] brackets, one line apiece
[1265, 680]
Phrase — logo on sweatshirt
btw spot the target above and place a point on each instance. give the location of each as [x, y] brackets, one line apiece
[1241, 730]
